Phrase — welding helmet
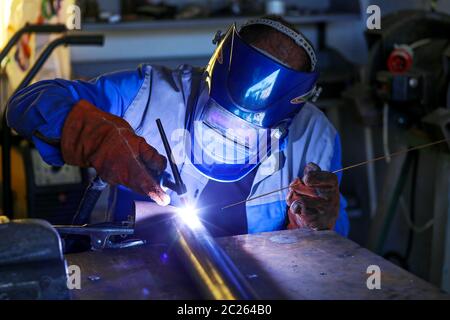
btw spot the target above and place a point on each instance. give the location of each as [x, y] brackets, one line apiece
[250, 100]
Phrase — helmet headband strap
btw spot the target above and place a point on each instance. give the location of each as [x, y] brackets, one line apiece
[298, 38]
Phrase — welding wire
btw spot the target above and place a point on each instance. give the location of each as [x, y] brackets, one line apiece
[397, 153]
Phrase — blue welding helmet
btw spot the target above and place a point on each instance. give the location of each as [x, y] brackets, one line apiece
[250, 101]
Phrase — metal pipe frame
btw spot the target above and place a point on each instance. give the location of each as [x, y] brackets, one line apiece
[30, 28]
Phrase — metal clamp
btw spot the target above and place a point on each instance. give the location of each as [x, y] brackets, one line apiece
[100, 234]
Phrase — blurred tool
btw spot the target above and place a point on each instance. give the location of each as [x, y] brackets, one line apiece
[90, 10]
[143, 9]
[193, 11]
[347, 168]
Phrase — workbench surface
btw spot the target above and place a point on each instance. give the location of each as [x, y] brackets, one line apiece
[288, 264]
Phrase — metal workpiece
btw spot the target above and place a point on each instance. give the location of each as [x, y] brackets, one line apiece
[211, 269]
[214, 272]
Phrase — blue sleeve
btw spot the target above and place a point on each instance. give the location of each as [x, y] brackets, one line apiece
[342, 224]
[44, 106]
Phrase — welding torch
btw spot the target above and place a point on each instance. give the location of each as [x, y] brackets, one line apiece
[177, 185]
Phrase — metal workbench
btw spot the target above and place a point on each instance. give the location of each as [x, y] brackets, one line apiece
[289, 264]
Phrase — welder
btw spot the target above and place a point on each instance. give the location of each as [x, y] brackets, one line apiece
[260, 79]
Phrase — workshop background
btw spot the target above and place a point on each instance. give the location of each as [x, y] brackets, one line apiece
[398, 208]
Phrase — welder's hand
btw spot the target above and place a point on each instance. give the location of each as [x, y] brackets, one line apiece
[94, 138]
[314, 200]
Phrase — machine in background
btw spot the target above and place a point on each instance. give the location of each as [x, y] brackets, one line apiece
[404, 100]
[31, 188]
[43, 191]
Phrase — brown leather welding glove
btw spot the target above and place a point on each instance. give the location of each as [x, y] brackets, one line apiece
[94, 138]
[314, 200]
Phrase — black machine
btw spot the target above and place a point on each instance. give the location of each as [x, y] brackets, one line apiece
[31, 262]
[410, 62]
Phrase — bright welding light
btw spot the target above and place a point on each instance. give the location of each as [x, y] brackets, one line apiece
[189, 216]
